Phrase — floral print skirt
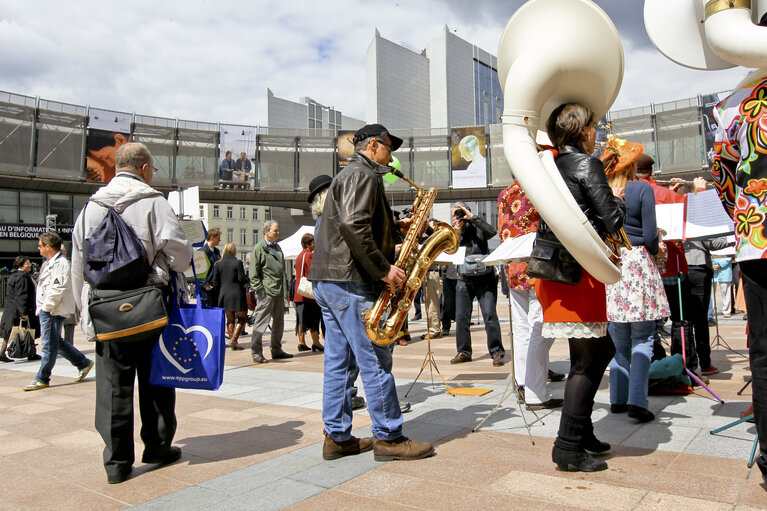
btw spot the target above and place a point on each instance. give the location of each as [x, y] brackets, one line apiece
[639, 296]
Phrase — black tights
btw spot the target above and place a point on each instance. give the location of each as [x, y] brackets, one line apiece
[588, 361]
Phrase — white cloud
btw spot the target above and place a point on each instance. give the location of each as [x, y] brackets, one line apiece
[213, 60]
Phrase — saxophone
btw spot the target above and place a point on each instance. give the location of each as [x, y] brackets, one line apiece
[384, 320]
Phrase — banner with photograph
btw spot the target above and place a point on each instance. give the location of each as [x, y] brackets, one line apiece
[468, 157]
[107, 130]
[345, 148]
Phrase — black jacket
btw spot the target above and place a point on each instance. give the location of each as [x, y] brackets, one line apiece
[19, 301]
[229, 280]
[355, 240]
[475, 236]
[584, 176]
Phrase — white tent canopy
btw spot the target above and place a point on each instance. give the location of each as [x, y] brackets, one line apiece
[291, 246]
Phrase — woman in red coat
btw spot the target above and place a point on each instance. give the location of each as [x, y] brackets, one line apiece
[309, 313]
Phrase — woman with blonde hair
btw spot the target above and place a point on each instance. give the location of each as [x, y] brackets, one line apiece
[634, 303]
[229, 278]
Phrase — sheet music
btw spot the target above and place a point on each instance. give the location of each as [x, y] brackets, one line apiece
[706, 217]
[456, 258]
[193, 231]
[513, 250]
[670, 217]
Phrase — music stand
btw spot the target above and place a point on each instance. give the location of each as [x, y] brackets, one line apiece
[682, 331]
[429, 358]
[718, 339]
[508, 248]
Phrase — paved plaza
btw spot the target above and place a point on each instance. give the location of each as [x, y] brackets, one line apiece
[256, 443]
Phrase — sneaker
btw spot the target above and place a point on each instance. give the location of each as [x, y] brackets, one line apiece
[259, 359]
[546, 405]
[36, 385]
[404, 406]
[401, 448]
[332, 450]
[4, 358]
[460, 358]
[709, 370]
[84, 372]
[497, 359]
[358, 402]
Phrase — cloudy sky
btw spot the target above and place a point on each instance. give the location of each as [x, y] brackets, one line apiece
[213, 60]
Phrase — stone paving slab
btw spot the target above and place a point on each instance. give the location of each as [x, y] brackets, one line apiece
[256, 443]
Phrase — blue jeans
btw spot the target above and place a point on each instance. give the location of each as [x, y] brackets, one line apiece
[50, 332]
[631, 365]
[349, 351]
[485, 290]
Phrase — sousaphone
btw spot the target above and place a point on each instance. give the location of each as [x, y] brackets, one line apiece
[554, 52]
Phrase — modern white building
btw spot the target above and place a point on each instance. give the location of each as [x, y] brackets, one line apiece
[450, 83]
[308, 113]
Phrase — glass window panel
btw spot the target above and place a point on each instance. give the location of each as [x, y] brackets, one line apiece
[276, 166]
[32, 210]
[9, 206]
[16, 121]
[61, 206]
[158, 134]
[230, 235]
[229, 212]
[216, 212]
[500, 172]
[316, 155]
[60, 143]
[431, 159]
[196, 163]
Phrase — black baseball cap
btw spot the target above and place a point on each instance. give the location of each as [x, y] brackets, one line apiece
[375, 130]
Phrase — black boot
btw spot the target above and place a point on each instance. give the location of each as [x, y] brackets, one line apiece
[590, 442]
[568, 452]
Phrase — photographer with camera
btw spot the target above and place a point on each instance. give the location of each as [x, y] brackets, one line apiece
[475, 280]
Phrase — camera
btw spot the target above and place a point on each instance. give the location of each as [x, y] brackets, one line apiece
[459, 213]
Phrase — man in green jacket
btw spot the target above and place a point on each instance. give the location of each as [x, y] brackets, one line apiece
[267, 278]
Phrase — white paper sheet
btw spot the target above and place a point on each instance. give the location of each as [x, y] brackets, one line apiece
[513, 250]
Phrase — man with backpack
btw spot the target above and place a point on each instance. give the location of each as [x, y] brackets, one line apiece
[153, 221]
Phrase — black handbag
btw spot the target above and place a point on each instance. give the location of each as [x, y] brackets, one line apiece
[128, 316]
[550, 260]
[22, 343]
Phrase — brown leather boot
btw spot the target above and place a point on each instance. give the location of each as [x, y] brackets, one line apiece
[229, 330]
[401, 448]
[332, 450]
[233, 339]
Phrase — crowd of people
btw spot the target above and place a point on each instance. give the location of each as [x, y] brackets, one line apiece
[349, 262]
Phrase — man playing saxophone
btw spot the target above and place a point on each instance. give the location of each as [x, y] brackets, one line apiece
[354, 250]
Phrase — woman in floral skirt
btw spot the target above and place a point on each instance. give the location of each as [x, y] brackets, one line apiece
[634, 303]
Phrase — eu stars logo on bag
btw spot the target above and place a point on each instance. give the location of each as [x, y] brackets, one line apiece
[184, 346]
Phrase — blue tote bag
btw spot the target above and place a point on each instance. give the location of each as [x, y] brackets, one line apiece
[190, 351]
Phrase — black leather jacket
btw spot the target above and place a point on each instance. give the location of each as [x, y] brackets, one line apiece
[585, 178]
[355, 240]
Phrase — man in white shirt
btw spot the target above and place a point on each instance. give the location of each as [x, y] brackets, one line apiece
[54, 302]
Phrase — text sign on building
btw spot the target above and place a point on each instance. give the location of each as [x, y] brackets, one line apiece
[30, 232]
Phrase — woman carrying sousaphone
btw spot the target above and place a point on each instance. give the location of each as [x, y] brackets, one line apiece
[573, 302]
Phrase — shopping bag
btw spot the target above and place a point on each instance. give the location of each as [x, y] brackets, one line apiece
[190, 352]
[22, 343]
